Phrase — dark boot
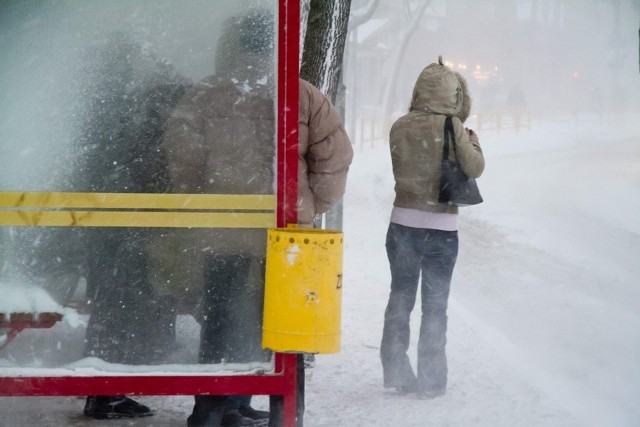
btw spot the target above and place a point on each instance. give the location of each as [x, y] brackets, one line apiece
[207, 411]
[254, 414]
[112, 407]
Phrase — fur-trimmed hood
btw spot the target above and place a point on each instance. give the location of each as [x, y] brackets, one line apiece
[416, 140]
[439, 90]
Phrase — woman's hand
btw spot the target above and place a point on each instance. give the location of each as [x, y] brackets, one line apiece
[472, 135]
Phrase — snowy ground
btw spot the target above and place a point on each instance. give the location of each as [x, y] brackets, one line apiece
[544, 326]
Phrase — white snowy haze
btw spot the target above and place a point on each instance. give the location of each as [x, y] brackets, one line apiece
[544, 312]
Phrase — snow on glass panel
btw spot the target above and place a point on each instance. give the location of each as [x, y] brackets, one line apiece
[159, 97]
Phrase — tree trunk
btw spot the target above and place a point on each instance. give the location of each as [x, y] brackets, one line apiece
[304, 16]
[324, 44]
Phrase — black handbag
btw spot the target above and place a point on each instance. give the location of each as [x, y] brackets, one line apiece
[456, 188]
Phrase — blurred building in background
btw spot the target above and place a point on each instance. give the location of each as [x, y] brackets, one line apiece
[548, 59]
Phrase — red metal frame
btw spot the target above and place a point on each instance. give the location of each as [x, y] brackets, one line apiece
[280, 382]
[288, 59]
[283, 380]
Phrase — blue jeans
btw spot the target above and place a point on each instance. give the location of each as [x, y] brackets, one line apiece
[412, 252]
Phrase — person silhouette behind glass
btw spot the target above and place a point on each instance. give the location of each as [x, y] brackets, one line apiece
[221, 140]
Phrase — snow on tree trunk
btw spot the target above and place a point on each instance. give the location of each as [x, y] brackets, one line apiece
[304, 16]
[324, 44]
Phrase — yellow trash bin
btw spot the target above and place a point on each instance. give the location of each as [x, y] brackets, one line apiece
[303, 291]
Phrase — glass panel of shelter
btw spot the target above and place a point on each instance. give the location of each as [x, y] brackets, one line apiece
[137, 178]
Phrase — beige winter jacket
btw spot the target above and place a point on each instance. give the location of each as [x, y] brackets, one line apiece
[221, 140]
[324, 153]
[416, 139]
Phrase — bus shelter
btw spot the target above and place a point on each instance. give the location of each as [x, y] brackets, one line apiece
[118, 215]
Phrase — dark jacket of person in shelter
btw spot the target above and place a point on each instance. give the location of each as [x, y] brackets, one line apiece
[422, 240]
[221, 140]
[129, 96]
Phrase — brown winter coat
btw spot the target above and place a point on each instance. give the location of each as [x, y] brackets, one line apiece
[324, 154]
[221, 140]
[417, 138]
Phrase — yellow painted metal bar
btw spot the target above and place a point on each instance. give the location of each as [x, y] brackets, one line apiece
[137, 201]
[31, 218]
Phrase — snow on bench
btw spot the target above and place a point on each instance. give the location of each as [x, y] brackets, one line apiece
[25, 306]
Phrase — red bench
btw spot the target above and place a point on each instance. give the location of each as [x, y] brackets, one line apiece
[16, 322]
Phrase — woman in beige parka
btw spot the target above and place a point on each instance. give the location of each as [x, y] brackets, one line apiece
[422, 240]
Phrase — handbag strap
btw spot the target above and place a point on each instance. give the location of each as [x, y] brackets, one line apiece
[449, 138]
